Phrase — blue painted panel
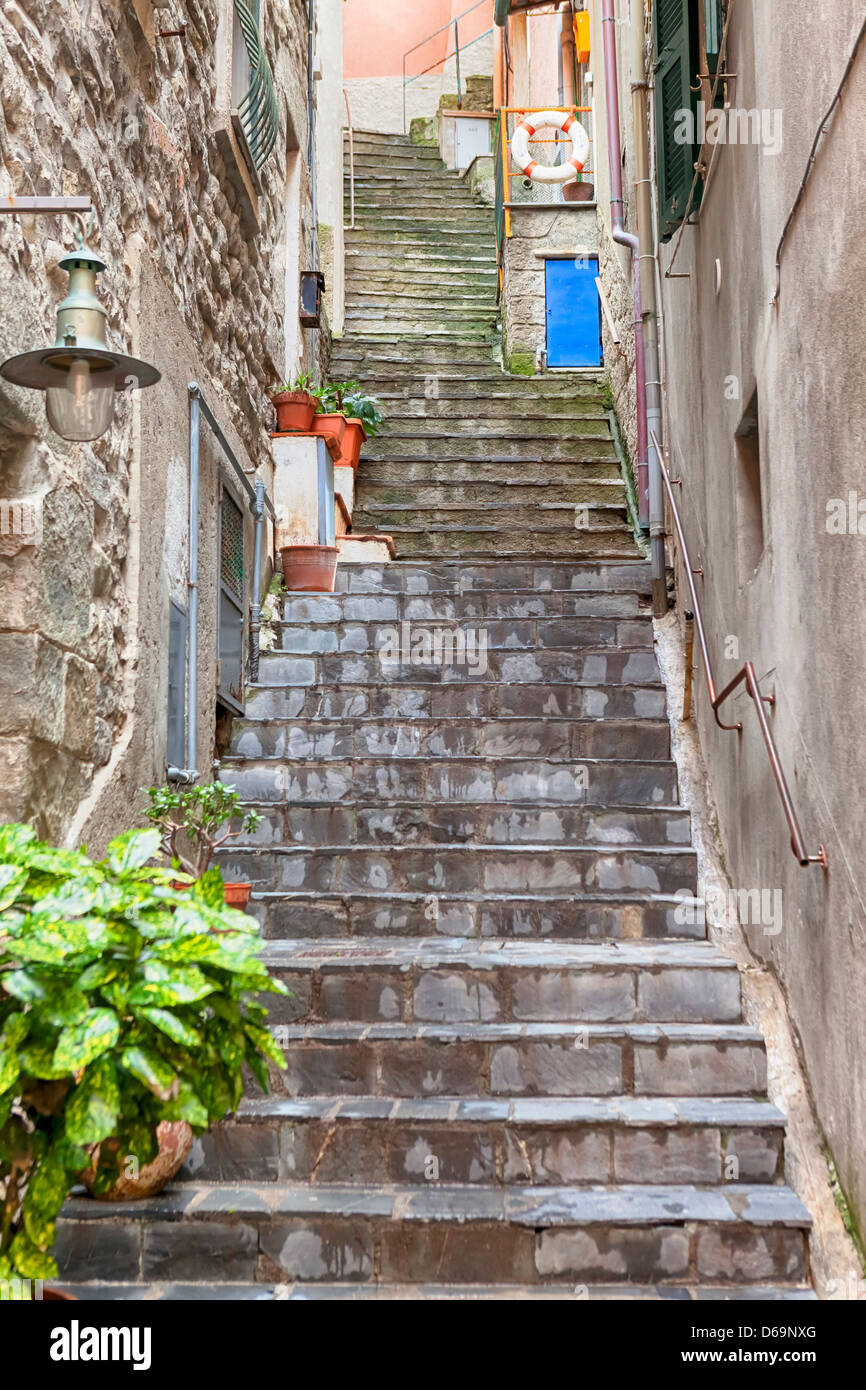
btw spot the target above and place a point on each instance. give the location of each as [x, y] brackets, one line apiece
[573, 313]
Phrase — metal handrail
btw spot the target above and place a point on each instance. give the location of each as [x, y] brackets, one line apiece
[440, 62]
[351, 225]
[745, 676]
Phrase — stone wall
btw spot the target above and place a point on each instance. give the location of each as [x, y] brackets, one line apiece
[95, 104]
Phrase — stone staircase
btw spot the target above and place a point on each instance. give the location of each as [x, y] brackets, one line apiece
[516, 1067]
[469, 456]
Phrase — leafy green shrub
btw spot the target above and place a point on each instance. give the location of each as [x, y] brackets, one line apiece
[123, 1003]
[347, 398]
[190, 820]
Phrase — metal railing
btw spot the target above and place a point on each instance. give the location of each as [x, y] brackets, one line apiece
[351, 224]
[453, 26]
[505, 173]
[746, 676]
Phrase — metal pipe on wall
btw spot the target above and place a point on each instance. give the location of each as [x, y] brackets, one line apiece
[649, 491]
[650, 326]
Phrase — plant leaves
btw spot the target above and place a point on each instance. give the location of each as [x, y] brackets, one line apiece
[92, 1108]
[172, 1026]
[14, 839]
[150, 1070]
[132, 850]
[12, 880]
[166, 985]
[29, 1260]
[10, 1068]
[81, 1043]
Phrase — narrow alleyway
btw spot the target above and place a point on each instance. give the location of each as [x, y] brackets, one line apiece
[515, 1065]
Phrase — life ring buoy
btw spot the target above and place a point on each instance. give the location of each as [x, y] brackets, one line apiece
[550, 173]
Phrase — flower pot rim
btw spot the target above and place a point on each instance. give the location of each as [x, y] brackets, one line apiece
[293, 397]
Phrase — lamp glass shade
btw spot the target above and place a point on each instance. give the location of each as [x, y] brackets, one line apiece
[83, 408]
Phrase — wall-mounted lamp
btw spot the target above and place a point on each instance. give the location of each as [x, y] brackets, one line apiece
[79, 373]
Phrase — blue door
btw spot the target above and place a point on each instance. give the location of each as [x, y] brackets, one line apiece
[573, 313]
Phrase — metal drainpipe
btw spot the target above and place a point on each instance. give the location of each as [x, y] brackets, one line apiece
[624, 238]
[646, 261]
[311, 156]
[189, 774]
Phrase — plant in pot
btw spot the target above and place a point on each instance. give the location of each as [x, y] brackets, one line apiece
[363, 421]
[191, 821]
[125, 1006]
[330, 417]
[296, 405]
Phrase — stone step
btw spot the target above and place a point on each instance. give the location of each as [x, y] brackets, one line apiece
[342, 608]
[503, 410]
[556, 740]
[510, 1142]
[373, 822]
[390, 495]
[425, 578]
[503, 543]
[432, 701]
[469, 324]
[417, 353]
[153, 1291]
[321, 1233]
[591, 917]
[425, 868]
[521, 1059]
[383, 292]
[433, 429]
[441, 980]
[437, 236]
[460, 640]
[558, 522]
[405, 261]
[591, 667]
[448, 210]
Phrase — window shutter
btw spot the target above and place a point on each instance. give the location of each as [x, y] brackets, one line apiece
[713, 33]
[256, 105]
[676, 44]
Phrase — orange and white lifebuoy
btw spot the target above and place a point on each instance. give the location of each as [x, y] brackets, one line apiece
[550, 173]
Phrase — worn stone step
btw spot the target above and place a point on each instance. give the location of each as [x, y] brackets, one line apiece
[555, 740]
[502, 543]
[442, 980]
[379, 1140]
[591, 917]
[433, 701]
[424, 868]
[631, 783]
[343, 608]
[203, 1291]
[584, 666]
[526, 1059]
[556, 1235]
[414, 353]
[462, 639]
[574, 526]
[382, 495]
[425, 578]
[390, 298]
[506, 409]
[467, 325]
[376, 822]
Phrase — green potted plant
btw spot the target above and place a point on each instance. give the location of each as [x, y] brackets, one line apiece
[124, 1005]
[330, 417]
[190, 822]
[363, 421]
[296, 405]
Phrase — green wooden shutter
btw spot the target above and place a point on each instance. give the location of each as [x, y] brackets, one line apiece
[676, 46]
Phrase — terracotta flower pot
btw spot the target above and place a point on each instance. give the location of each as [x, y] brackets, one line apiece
[330, 424]
[58, 1296]
[351, 447]
[175, 1141]
[237, 894]
[578, 192]
[295, 411]
[310, 569]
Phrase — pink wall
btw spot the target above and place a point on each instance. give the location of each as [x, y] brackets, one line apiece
[376, 34]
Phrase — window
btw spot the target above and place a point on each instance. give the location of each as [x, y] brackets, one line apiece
[677, 47]
[232, 605]
[749, 503]
[254, 102]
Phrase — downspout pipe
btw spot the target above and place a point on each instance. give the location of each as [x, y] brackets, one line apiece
[624, 238]
[646, 260]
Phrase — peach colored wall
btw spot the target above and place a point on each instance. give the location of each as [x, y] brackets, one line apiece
[376, 34]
